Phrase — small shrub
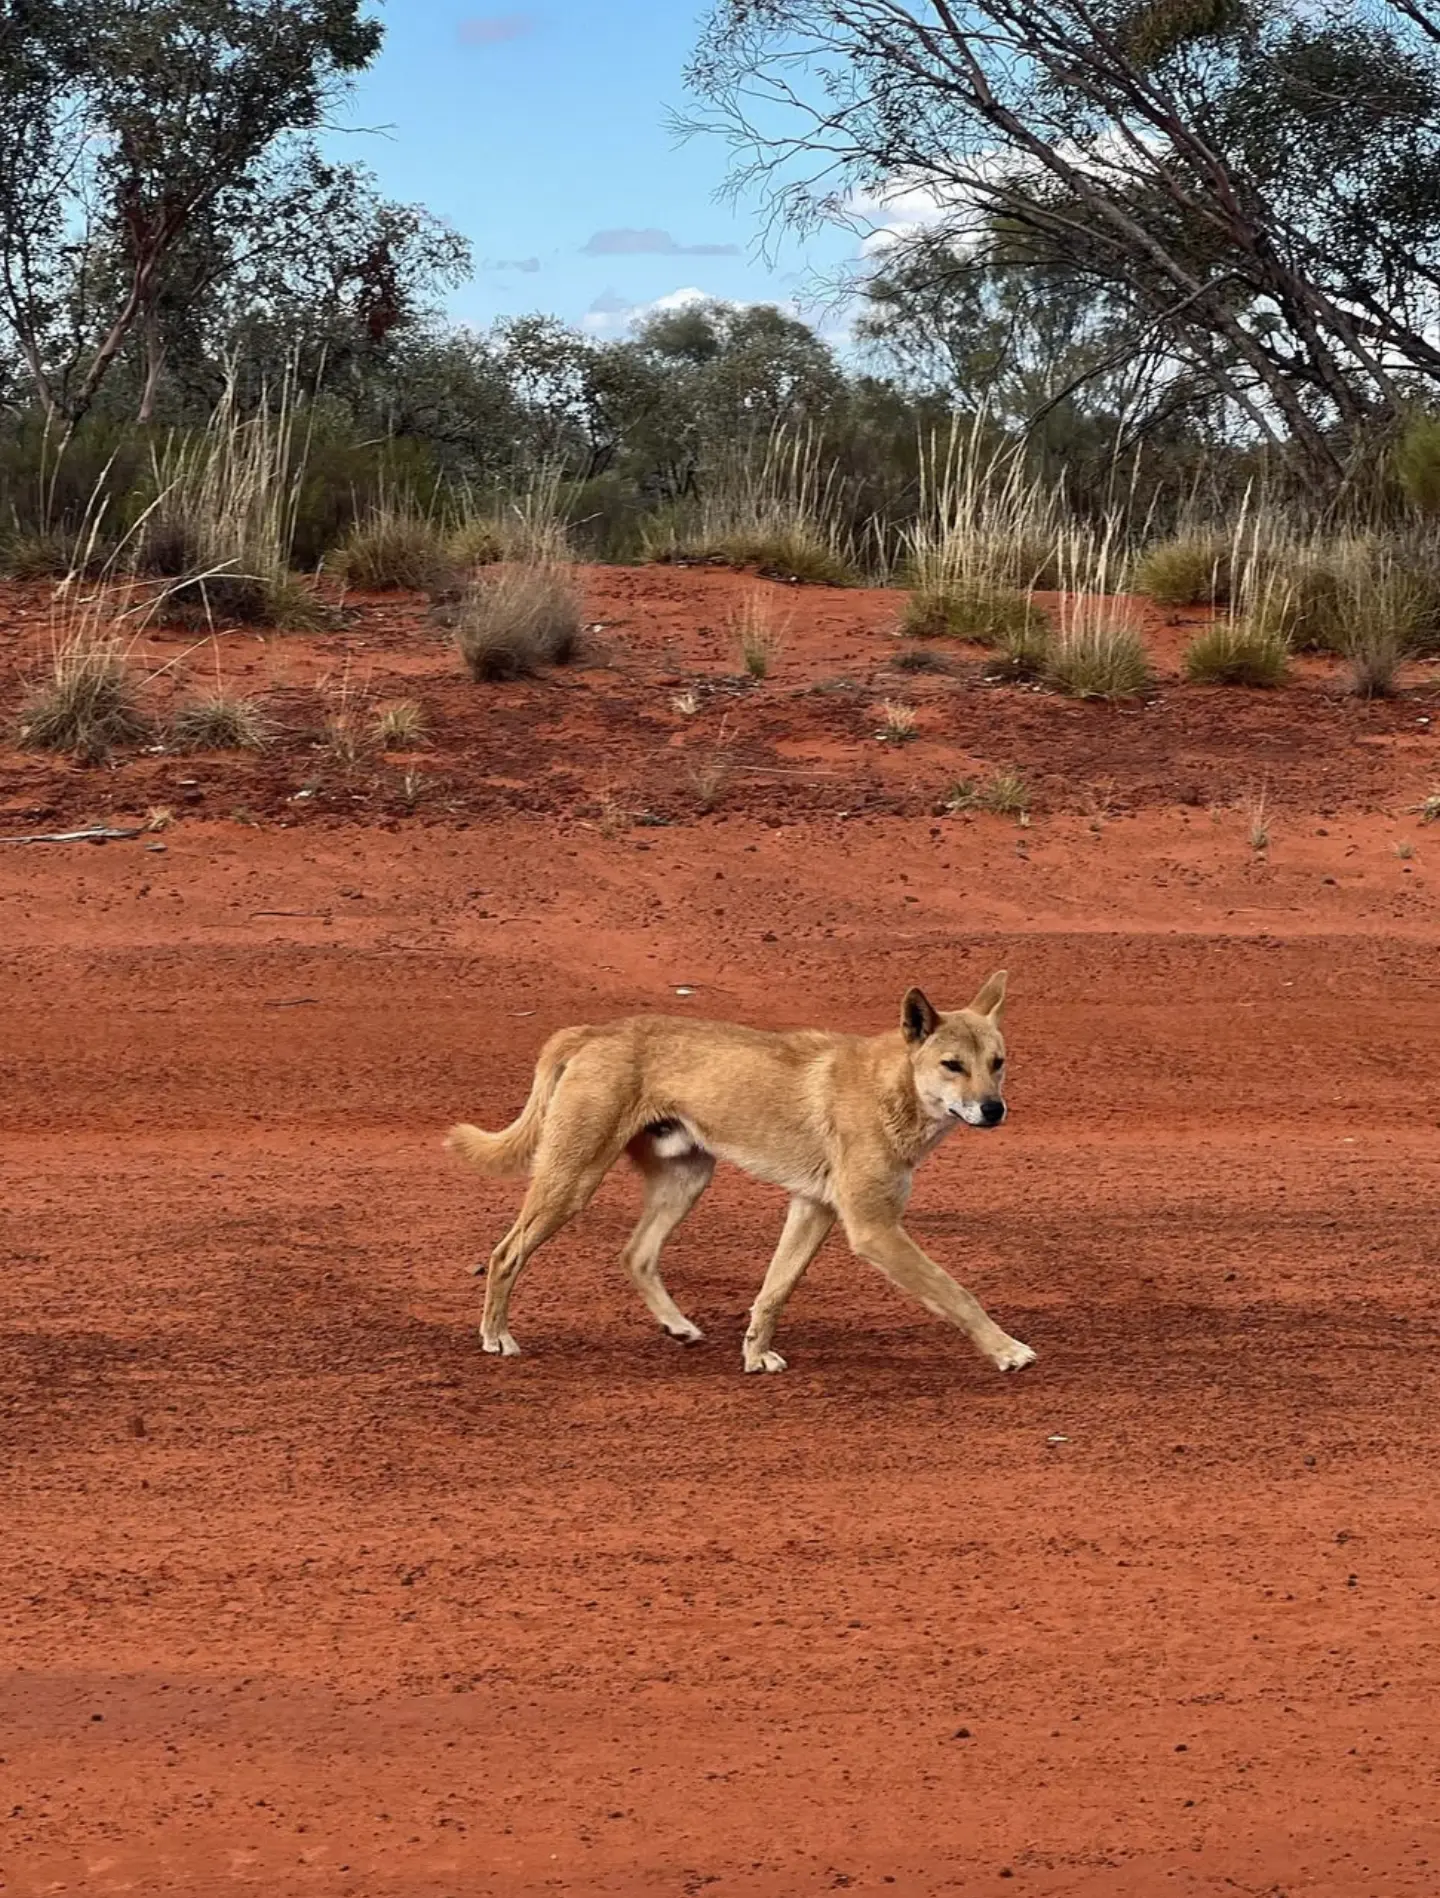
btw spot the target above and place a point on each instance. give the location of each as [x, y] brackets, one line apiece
[897, 723]
[976, 611]
[1238, 652]
[401, 726]
[220, 721]
[1097, 657]
[1428, 809]
[88, 703]
[393, 549]
[516, 619]
[1187, 570]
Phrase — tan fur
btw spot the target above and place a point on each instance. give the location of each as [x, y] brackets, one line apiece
[840, 1122]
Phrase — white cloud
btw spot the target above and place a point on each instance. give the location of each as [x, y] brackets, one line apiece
[612, 315]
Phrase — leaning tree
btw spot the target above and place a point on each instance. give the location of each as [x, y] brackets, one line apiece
[1252, 185]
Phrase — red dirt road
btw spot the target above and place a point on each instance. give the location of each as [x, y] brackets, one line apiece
[301, 1594]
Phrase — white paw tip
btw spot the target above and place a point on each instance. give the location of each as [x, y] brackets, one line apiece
[1014, 1357]
[767, 1361]
[501, 1347]
[690, 1334]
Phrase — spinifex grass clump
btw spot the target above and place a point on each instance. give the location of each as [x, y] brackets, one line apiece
[985, 531]
[393, 548]
[226, 501]
[515, 619]
[87, 702]
[757, 635]
[1252, 652]
[1189, 569]
[1022, 651]
[975, 610]
[401, 725]
[219, 721]
[1382, 609]
[1096, 652]
[770, 505]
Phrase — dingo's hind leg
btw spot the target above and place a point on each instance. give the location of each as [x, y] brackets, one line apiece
[571, 1163]
[672, 1186]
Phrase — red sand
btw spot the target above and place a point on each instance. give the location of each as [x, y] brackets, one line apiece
[302, 1594]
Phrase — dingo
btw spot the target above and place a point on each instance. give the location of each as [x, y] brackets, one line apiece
[838, 1121]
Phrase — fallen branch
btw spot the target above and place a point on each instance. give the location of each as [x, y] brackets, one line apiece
[97, 835]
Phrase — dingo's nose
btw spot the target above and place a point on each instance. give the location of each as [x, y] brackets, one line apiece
[992, 1112]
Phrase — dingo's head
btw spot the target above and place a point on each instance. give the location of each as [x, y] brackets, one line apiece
[959, 1059]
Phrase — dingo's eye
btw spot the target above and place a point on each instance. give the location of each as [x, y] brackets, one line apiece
[955, 1067]
[997, 1063]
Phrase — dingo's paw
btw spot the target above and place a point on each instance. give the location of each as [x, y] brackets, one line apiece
[764, 1361]
[1012, 1356]
[686, 1332]
[502, 1347]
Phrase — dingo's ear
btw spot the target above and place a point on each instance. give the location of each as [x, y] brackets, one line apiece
[918, 1018]
[991, 999]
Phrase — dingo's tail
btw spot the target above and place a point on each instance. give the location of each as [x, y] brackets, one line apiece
[513, 1150]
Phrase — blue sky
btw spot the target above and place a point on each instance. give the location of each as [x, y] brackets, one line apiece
[540, 132]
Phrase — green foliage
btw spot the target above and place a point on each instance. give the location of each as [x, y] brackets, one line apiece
[92, 483]
[136, 143]
[342, 479]
[1416, 462]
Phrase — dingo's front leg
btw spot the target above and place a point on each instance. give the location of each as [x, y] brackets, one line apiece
[806, 1224]
[889, 1246]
